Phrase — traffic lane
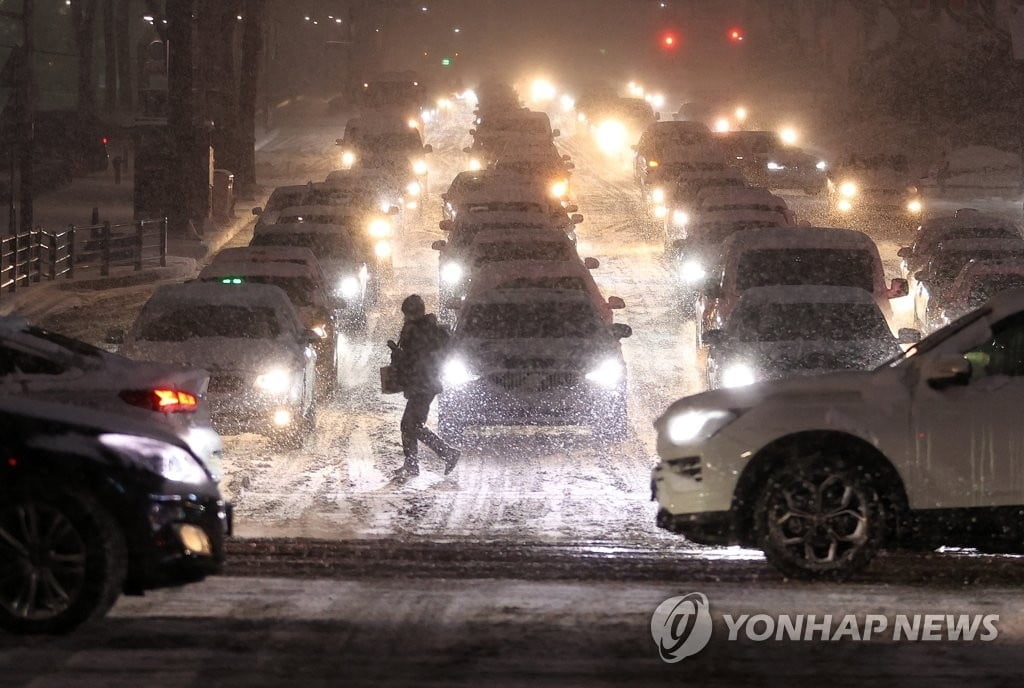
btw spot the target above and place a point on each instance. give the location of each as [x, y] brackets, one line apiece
[381, 632]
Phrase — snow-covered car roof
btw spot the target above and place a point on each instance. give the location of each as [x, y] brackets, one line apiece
[966, 217]
[511, 219]
[673, 151]
[742, 195]
[1014, 245]
[499, 235]
[530, 296]
[302, 228]
[517, 188]
[674, 127]
[253, 254]
[358, 177]
[331, 210]
[248, 295]
[725, 217]
[256, 269]
[992, 266]
[806, 294]
[803, 237]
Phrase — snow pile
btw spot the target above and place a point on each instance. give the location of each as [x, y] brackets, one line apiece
[984, 167]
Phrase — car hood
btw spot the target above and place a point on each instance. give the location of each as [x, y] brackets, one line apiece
[149, 374]
[220, 353]
[797, 356]
[517, 354]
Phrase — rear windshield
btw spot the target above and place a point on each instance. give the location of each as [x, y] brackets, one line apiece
[323, 245]
[774, 322]
[985, 287]
[300, 290]
[795, 266]
[316, 219]
[947, 265]
[541, 250]
[202, 320]
[556, 320]
[572, 283]
[285, 199]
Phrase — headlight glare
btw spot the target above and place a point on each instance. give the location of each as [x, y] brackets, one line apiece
[349, 287]
[456, 373]
[167, 460]
[774, 166]
[451, 273]
[276, 381]
[738, 375]
[348, 159]
[692, 272]
[380, 228]
[607, 374]
[419, 167]
[848, 189]
[658, 195]
[692, 425]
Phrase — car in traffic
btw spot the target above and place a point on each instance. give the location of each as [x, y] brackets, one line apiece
[298, 255]
[779, 332]
[534, 357]
[768, 162]
[821, 473]
[932, 284]
[249, 336]
[94, 504]
[879, 187]
[966, 223]
[494, 190]
[978, 282]
[38, 364]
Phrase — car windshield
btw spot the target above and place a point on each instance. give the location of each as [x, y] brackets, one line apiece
[280, 199]
[799, 266]
[571, 283]
[773, 322]
[946, 265]
[533, 250]
[198, 321]
[388, 142]
[315, 218]
[537, 320]
[324, 246]
[300, 290]
[985, 287]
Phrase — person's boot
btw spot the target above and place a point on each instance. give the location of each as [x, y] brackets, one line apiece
[408, 470]
[451, 459]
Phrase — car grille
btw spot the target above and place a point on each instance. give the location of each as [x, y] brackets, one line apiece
[534, 382]
[225, 383]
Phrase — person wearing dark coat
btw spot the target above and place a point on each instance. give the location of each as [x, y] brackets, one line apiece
[417, 358]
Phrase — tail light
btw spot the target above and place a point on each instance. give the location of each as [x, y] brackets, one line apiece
[104, 140]
[164, 400]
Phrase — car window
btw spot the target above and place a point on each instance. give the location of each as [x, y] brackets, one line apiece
[530, 320]
[985, 287]
[323, 245]
[541, 250]
[1003, 354]
[16, 362]
[797, 266]
[773, 322]
[203, 320]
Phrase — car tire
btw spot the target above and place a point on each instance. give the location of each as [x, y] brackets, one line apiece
[77, 529]
[819, 517]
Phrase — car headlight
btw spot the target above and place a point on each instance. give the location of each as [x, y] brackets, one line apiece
[680, 218]
[653, 164]
[822, 165]
[456, 373]
[320, 331]
[451, 273]
[474, 164]
[844, 205]
[915, 206]
[848, 189]
[692, 272]
[276, 381]
[612, 137]
[382, 249]
[560, 188]
[688, 426]
[658, 195]
[775, 166]
[413, 189]
[607, 374]
[379, 228]
[348, 288]
[419, 167]
[348, 159]
[738, 375]
[166, 460]
[660, 212]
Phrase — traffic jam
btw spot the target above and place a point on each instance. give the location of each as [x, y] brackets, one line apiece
[618, 315]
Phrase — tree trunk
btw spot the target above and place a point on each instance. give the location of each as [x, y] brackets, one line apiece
[123, 43]
[248, 87]
[109, 56]
[83, 16]
[181, 121]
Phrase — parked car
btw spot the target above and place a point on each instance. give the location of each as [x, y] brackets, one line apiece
[93, 504]
[978, 282]
[822, 472]
[964, 224]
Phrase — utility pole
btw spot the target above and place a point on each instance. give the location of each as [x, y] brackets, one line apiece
[28, 85]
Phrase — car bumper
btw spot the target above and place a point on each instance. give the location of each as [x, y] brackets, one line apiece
[184, 541]
[253, 413]
[483, 403]
[708, 528]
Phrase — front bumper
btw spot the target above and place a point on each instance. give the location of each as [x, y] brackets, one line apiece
[183, 541]
[246, 411]
[708, 528]
[531, 399]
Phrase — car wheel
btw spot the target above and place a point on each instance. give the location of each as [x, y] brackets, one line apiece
[819, 518]
[63, 560]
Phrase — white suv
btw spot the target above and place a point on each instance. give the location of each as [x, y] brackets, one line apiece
[821, 472]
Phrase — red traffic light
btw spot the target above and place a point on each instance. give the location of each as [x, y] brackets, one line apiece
[735, 35]
[669, 40]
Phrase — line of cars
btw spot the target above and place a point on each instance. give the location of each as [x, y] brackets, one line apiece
[534, 341]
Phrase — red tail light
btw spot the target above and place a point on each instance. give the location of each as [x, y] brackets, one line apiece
[165, 400]
[104, 139]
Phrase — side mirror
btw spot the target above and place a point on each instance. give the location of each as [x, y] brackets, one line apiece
[921, 275]
[472, 132]
[621, 331]
[394, 210]
[905, 252]
[572, 208]
[713, 337]
[591, 263]
[616, 303]
[908, 335]
[946, 371]
[467, 150]
[310, 337]
[114, 336]
[258, 210]
[428, 148]
[439, 245]
[446, 225]
[339, 142]
[556, 133]
[444, 196]
[898, 288]
[576, 218]
[569, 166]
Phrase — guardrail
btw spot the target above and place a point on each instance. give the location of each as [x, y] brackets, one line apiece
[30, 256]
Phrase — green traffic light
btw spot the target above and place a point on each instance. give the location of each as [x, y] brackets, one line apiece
[231, 280]
[446, 62]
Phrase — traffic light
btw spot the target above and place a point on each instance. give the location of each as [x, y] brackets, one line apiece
[736, 35]
[669, 41]
[446, 62]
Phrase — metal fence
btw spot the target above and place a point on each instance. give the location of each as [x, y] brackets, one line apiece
[37, 254]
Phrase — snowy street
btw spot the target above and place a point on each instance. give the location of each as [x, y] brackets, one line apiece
[537, 560]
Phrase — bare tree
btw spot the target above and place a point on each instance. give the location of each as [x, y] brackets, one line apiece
[252, 47]
[123, 38]
[109, 57]
[83, 21]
